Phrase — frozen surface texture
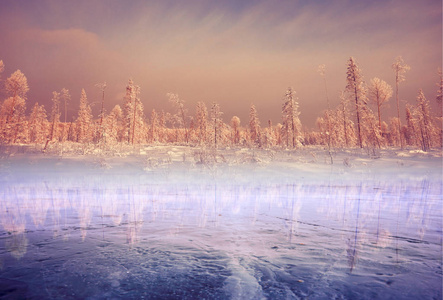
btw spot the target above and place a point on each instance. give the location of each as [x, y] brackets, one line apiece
[185, 223]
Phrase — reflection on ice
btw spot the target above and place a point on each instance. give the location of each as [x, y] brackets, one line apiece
[298, 240]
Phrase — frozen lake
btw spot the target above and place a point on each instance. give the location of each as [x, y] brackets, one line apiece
[106, 236]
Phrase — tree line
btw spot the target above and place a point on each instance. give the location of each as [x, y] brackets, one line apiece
[356, 122]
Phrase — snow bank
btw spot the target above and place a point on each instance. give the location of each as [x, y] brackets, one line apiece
[166, 164]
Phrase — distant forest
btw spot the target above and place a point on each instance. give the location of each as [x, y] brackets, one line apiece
[356, 122]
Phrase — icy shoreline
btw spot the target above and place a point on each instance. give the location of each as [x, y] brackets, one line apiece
[185, 164]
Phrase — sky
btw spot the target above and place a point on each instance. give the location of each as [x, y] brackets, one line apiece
[231, 52]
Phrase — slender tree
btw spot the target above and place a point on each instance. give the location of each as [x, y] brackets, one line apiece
[423, 119]
[439, 105]
[344, 117]
[13, 108]
[102, 87]
[84, 120]
[133, 113]
[440, 92]
[322, 71]
[254, 127]
[136, 108]
[379, 93]
[55, 114]
[55, 117]
[65, 97]
[17, 87]
[181, 112]
[114, 125]
[291, 122]
[400, 68]
[201, 123]
[235, 124]
[411, 132]
[153, 129]
[38, 124]
[217, 123]
[356, 90]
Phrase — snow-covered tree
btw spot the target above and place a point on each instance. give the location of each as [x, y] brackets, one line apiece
[440, 92]
[154, 128]
[291, 122]
[371, 130]
[394, 132]
[201, 123]
[55, 116]
[134, 122]
[439, 104]
[235, 125]
[268, 134]
[254, 127]
[162, 136]
[12, 124]
[65, 97]
[102, 87]
[411, 132]
[38, 124]
[379, 93]
[216, 123]
[400, 68]
[17, 85]
[84, 120]
[101, 130]
[357, 92]
[113, 126]
[322, 71]
[181, 113]
[13, 108]
[424, 123]
[348, 131]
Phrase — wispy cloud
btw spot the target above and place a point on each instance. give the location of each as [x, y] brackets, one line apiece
[227, 51]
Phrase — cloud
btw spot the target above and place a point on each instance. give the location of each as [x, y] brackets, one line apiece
[232, 52]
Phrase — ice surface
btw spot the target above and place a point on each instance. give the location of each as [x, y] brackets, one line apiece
[254, 225]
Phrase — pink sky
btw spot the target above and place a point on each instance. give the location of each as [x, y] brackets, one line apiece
[231, 52]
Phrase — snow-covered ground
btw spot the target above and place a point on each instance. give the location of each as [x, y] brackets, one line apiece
[194, 164]
[183, 222]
